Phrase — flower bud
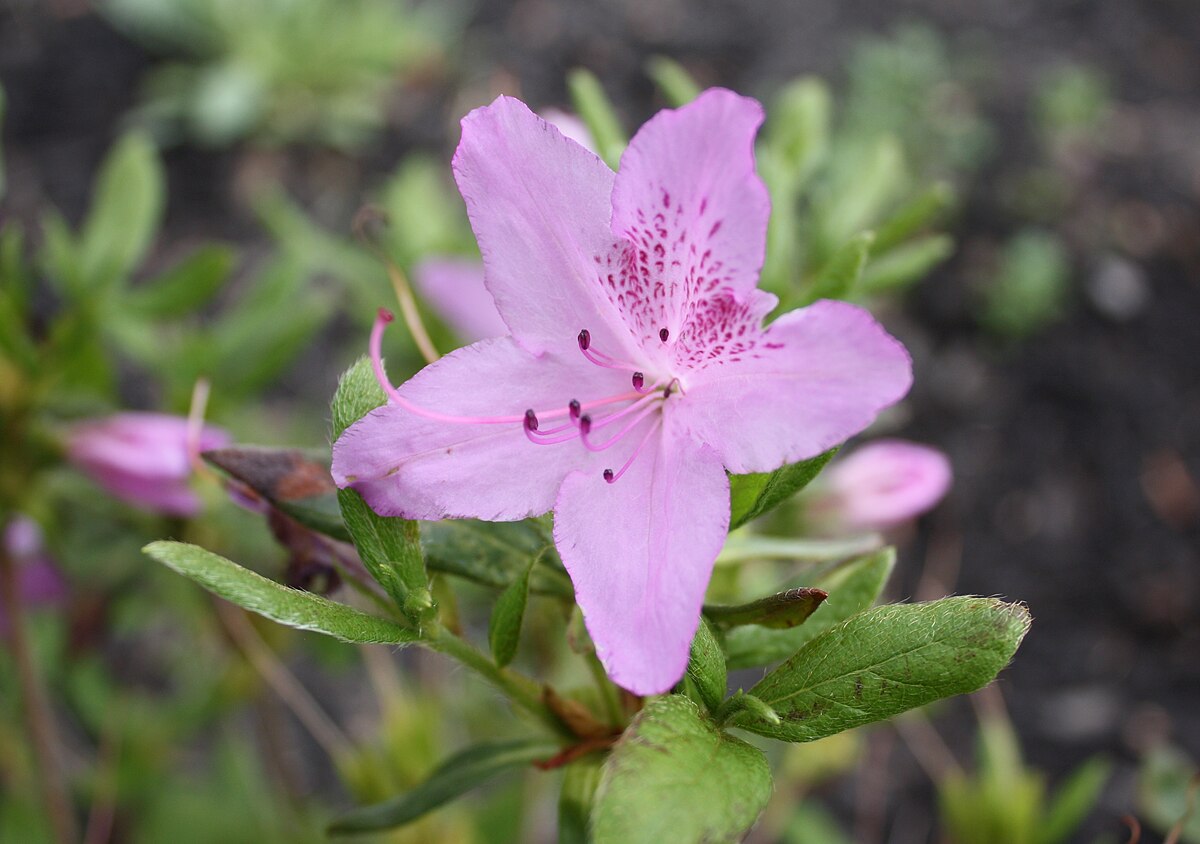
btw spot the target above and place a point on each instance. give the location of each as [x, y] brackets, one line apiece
[39, 582]
[142, 458]
[886, 483]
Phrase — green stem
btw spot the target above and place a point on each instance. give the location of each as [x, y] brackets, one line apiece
[521, 690]
[738, 549]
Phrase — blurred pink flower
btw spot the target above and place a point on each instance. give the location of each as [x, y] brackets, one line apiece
[454, 287]
[39, 582]
[142, 458]
[885, 483]
[637, 370]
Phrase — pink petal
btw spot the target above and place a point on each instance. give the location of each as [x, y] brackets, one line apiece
[540, 207]
[453, 287]
[816, 377]
[688, 199]
[887, 482]
[640, 552]
[409, 465]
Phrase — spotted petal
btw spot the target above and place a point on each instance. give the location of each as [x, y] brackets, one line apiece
[688, 201]
[408, 465]
[640, 552]
[818, 376]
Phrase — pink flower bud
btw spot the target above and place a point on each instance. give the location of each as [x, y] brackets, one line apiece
[885, 483]
[142, 458]
[39, 582]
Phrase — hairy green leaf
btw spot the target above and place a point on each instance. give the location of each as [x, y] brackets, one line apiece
[752, 495]
[358, 393]
[390, 548]
[675, 777]
[504, 627]
[494, 553]
[852, 588]
[706, 667]
[302, 610]
[456, 776]
[580, 781]
[882, 662]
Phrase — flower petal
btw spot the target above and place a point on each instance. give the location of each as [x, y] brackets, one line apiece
[453, 287]
[688, 199]
[816, 377]
[540, 207]
[409, 465]
[640, 552]
[887, 482]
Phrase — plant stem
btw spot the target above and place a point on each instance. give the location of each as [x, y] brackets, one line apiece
[738, 548]
[39, 719]
[521, 690]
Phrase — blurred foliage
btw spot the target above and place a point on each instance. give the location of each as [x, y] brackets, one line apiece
[1030, 287]
[1169, 793]
[281, 71]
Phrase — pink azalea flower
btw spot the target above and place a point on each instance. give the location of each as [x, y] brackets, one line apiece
[635, 374]
[142, 458]
[886, 483]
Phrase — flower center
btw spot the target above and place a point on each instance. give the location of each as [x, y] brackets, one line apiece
[582, 419]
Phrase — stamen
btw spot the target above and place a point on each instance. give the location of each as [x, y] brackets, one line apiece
[585, 425]
[594, 424]
[663, 334]
[612, 477]
[619, 434]
[670, 388]
[531, 420]
[585, 339]
[597, 357]
[574, 409]
[639, 381]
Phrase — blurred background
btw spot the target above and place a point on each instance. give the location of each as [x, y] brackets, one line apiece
[1049, 293]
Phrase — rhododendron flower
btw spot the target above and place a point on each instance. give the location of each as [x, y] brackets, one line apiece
[142, 458]
[635, 374]
[885, 483]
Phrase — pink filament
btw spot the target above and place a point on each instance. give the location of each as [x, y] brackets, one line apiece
[612, 477]
[583, 434]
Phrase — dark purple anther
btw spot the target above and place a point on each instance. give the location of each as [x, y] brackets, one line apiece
[667, 390]
[585, 424]
[663, 334]
[585, 339]
[574, 408]
[608, 475]
[639, 380]
[531, 420]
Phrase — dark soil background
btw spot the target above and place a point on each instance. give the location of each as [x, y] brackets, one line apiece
[1076, 451]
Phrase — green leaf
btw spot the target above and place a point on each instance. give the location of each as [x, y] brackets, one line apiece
[852, 587]
[185, 287]
[1074, 800]
[580, 781]
[781, 611]
[302, 610]
[882, 662]
[674, 777]
[593, 105]
[126, 211]
[676, 84]
[358, 393]
[752, 495]
[494, 554]
[1031, 286]
[455, 777]
[3, 108]
[1169, 791]
[706, 667]
[322, 513]
[390, 548]
[868, 178]
[841, 273]
[504, 627]
[798, 127]
[905, 264]
[919, 212]
[739, 702]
